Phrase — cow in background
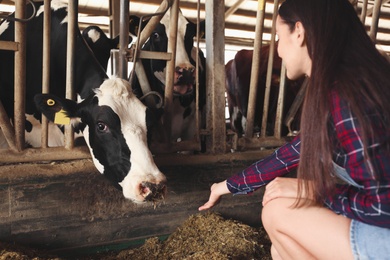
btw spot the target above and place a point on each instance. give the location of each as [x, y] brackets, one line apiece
[100, 44]
[238, 74]
[113, 121]
[184, 107]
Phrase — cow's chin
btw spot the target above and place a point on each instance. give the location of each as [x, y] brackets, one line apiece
[181, 90]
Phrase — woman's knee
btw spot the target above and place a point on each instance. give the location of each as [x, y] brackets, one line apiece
[274, 253]
[272, 213]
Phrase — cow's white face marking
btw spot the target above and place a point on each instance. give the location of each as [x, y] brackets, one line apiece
[94, 35]
[132, 115]
[182, 59]
[55, 5]
[96, 162]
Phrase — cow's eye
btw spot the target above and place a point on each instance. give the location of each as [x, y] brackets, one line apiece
[102, 127]
[156, 36]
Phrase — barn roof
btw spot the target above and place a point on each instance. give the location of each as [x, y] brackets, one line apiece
[240, 16]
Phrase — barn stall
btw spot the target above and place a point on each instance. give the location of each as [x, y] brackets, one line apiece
[54, 198]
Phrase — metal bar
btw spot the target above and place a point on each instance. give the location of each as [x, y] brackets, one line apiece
[114, 30]
[170, 69]
[9, 46]
[280, 106]
[152, 23]
[154, 55]
[142, 36]
[168, 159]
[295, 106]
[197, 65]
[234, 8]
[70, 61]
[20, 75]
[215, 77]
[49, 154]
[123, 38]
[256, 56]
[364, 12]
[269, 71]
[46, 67]
[375, 19]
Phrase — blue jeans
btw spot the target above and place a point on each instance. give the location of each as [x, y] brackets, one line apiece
[367, 241]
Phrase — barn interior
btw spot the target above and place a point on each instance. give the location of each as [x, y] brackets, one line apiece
[53, 198]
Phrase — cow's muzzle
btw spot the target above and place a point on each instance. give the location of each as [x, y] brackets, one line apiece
[153, 192]
[184, 81]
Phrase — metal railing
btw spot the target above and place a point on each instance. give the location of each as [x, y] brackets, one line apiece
[14, 133]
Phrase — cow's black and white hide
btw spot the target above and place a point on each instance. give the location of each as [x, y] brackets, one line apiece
[100, 44]
[113, 121]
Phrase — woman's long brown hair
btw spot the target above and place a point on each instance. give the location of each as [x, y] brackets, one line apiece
[344, 59]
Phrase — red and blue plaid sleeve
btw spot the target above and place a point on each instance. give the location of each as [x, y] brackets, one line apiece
[282, 161]
[369, 203]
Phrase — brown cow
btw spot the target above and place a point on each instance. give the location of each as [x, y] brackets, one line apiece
[238, 74]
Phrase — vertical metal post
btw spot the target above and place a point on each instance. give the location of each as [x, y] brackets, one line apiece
[215, 76]
[170, 69]
[197, 60]
[255, 68]
[364, 11]
[70, 61]
[46, 66]
[375, 19]
[20, 75]
[280, 106]
[269, 71]
[123, 38]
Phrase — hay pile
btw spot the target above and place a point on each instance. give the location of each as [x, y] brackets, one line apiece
[201, 237]
[206, 236]
[16, 252]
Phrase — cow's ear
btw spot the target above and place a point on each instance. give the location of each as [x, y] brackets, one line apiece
[134, 24]
[57, 110]
[115, 42]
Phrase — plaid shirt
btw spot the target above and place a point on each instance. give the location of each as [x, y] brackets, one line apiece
[371, 202]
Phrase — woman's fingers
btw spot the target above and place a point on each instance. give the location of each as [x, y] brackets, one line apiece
[209, 204]
[280, 187]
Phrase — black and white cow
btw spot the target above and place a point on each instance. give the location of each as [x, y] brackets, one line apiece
[183, 118]
[113, 121]
[100, 44]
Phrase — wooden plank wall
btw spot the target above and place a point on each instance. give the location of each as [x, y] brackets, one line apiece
[65, 205]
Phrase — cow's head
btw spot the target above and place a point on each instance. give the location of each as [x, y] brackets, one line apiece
[185, 71]
[100, 44]
[115, 126]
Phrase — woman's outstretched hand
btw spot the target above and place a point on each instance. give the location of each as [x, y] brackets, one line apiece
[217, 190]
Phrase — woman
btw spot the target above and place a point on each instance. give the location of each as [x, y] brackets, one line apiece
[339, 205]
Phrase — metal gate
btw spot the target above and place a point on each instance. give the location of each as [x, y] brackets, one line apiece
[219, 141]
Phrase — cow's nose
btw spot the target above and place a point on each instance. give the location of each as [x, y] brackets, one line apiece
[153, 192]
[185, 75]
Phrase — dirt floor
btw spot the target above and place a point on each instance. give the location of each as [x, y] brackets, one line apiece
[201, 236]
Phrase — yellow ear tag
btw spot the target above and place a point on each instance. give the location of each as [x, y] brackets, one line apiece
[61, 118]
[50, 102]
